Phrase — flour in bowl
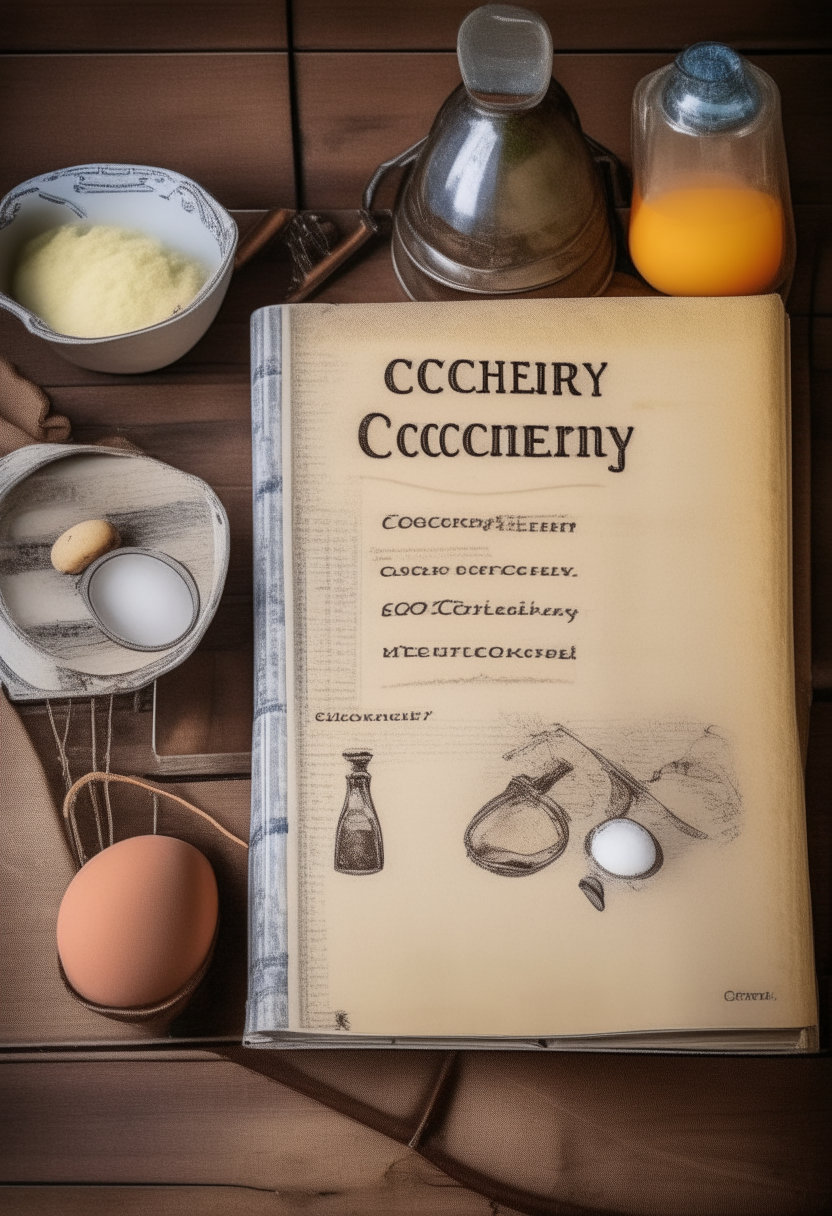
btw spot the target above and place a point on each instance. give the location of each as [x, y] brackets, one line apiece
[92, 281]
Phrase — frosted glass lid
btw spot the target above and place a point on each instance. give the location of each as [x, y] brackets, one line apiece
[505, 56]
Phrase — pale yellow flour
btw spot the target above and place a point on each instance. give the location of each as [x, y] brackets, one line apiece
[91, 281]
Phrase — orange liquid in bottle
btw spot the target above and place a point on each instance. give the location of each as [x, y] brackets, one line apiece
[708, 240]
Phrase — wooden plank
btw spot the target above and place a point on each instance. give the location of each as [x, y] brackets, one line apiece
[222, 119]
[805, 83]
[811, 291]
[576, 25]
[142, 25]
[393, 1092]
[819, 832]
[129, 407]
[172, 1121]
[822, 344]
[357, 110]
[175, 1123]
[205, 707]
[219, 452]
[822, 531]
[699, 1135]
[406, 1196]
[738, 1135]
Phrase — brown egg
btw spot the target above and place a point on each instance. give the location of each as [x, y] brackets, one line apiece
[137, 921]
[81, 544]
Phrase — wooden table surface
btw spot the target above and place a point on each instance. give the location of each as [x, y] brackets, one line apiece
[269, 105]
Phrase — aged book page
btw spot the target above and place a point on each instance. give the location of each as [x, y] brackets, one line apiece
[539, 586]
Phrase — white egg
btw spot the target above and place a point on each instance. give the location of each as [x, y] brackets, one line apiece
[624, 848]
[141, 599]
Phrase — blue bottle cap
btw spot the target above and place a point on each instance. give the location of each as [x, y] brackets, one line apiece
[710, 90]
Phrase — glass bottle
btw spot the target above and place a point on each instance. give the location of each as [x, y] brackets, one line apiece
[711, 213]
[358, 843]
[504, 197]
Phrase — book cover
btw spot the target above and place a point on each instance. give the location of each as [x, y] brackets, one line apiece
[526, 765]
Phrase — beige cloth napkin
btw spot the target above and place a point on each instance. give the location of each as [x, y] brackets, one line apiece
[35, 862]
[25, 416]
[25, 413]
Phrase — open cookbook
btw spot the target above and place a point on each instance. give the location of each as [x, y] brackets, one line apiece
[526, 767]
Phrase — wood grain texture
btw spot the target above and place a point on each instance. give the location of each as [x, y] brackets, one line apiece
[205, 708]
[819, 832]
[357, 110]
[693, 1137]
[400, 1193]
[142, 25]
[575, 24]
[174, 1121]
[222, 119]
[544, 1135]
[822, 531]
[801, 526]
[358, 1083]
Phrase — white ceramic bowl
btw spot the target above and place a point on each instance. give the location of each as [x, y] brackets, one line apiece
[50, 644]
[158, 202]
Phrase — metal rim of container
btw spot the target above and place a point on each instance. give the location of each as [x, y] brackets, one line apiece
[158, 555]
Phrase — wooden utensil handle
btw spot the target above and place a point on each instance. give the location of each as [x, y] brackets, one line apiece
[342, 251]
[263, 231]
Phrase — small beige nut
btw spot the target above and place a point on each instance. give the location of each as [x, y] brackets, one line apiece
[81, 544]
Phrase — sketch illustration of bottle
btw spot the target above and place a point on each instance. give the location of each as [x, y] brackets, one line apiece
[358, 843]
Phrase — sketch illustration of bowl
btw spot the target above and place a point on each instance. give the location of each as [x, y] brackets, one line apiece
[50, 643]
[157, 202]
[520, 831]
